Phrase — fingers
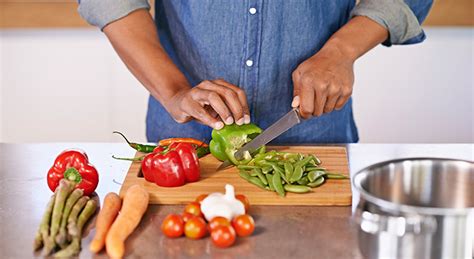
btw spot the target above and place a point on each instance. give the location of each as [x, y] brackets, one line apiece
[242, 98]
[346, 94]
[229, 98]
[306, 96]
[214, 100]
[194, 109]
[333, 95]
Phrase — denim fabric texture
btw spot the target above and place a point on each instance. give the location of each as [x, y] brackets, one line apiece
[257, 44]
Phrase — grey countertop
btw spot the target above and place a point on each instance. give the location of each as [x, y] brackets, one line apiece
[282, 232]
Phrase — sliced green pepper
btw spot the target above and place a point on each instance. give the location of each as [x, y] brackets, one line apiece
[226, 141]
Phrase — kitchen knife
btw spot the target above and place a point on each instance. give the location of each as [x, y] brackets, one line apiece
[276, 129]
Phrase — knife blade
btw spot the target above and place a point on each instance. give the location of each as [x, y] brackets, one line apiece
[276, 129]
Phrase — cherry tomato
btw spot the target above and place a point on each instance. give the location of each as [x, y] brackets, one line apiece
[244, 225]
[201, 197]
[186, 216]
[223, 236]
[217, 222]
[195, 228]
[242, 198]
[194, 208]
[173, 226]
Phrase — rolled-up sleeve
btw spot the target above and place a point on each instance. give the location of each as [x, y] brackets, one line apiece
[102, 12]
[401, 18]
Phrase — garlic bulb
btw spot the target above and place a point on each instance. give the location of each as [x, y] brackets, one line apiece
[223, 205]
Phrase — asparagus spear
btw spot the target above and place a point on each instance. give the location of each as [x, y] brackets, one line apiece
[65, 187]
[61, 238]
[43, 230]
[71, 220]
[75, 245]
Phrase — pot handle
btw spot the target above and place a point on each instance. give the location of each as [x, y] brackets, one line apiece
[414, 224]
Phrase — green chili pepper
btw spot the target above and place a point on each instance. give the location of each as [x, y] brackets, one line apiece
[226, 141]
[297, 174]
[202, 151]
[313, 175]
[303, 181]
[270, 181]
[336, 176]
[318, 182]
[288, 170]
[138, 147]
[277, 185]
[135, 159]
[296, 188]
[261, 176]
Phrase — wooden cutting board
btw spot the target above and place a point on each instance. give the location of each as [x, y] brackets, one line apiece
[333, 192]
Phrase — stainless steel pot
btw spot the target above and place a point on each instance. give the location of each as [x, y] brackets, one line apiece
[416, 208]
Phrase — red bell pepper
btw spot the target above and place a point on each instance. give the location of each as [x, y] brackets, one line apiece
[73, 165]
[172, 167]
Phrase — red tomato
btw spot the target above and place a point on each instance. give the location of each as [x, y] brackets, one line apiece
[173, 226]
[194, 208]
[217, 222]
[186, 216]
[195, 228]
[201, 197]
[223, 236]
[244, 225]
[242, 198]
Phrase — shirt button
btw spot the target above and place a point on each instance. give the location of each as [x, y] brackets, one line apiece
[249, 63]
[252, 10]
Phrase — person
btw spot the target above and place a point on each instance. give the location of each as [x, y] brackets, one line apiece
[209, 63]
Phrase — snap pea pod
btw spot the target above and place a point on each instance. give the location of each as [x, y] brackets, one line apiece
[270, 181]
[267, 169]
[296, 188]
[288, 170]
[316, 160]
[297, 174]
[318, 182]
[313, 175]
[315, 168]
[254, 180]
[253, 173]
[277, 184]
[260, 176]
[303, 181]
[336, 176]
[303, 162]
[244, 174]
[247, 167]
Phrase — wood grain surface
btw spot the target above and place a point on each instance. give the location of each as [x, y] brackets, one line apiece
[333, 192]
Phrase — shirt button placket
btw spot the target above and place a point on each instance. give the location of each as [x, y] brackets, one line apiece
[252, 52]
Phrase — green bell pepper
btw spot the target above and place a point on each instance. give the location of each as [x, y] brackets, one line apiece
[226, 141]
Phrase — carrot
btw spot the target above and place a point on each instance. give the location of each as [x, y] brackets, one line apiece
[106, 217]
[168, 141]
[135, 203]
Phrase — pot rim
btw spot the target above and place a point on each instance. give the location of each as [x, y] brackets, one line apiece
[397, 207]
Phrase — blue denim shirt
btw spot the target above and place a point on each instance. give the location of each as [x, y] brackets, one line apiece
[256, 44]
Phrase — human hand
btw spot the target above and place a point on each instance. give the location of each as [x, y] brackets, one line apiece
[323, 83]
[212, 103]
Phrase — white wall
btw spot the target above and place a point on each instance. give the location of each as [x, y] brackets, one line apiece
[418, 93]
[69, 85]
